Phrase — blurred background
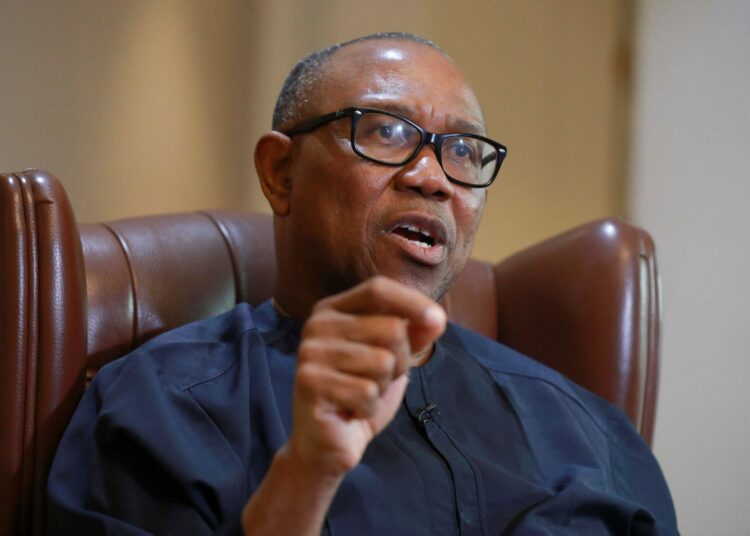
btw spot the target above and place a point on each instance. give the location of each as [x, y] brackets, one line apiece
[634, 109]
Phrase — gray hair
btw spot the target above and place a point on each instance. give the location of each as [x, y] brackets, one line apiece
[301, 82]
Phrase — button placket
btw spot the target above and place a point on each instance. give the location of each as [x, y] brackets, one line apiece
[427, 414]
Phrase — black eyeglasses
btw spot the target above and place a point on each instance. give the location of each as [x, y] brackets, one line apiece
[392, 139]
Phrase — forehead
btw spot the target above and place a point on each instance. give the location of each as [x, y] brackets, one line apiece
[406, 77]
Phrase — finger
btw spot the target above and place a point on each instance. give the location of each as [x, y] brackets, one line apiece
[387, 332]
[347, 394]
[383, 296]
[425, 332]
[372, 362]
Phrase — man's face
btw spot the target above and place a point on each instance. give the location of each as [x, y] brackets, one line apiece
[350, 218]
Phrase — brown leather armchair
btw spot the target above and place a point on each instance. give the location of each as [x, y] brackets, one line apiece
[73, 297]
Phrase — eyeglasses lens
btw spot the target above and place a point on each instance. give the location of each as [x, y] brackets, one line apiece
[469, 159]
[385, 138]
[391, 140]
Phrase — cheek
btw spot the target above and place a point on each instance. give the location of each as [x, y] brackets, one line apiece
[339, 201]
[352, 200]
[469, 212]
[478, 198]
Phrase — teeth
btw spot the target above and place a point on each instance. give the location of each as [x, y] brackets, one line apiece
[415, 229]
[416, 235]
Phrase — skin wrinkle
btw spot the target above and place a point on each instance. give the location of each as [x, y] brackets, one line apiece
[387, 102]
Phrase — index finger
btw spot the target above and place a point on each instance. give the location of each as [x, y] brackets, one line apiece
[383, 296]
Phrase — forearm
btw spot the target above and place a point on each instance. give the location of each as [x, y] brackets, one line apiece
[292, 499]
[350, 381]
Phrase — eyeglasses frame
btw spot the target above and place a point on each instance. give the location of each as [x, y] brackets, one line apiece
[426, 138]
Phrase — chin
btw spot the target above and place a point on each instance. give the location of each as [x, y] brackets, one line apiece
[433, 287]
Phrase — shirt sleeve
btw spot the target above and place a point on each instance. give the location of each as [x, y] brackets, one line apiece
[121, 469]
[636, 497]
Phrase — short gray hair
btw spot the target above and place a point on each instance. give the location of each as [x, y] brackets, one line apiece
[301, 81]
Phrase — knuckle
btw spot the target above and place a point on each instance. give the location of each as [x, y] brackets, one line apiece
[309, 350]
[384, 362]
[322, 304]
[400, 328]
[394, 331]
[380, 281]
[321, 351]
[307, 378]
[319, 323]
[378, 286]
[308, 330]
[370, 392]
[313, 325]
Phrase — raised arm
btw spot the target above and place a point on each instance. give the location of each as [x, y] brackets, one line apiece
[352, 367]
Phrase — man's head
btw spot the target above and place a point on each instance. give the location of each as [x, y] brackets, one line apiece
[341, 218]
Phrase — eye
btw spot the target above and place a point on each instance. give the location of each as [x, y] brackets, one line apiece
[393, 132]
[463, 151]
[385, 130]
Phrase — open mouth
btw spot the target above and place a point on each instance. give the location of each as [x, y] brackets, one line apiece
[421, 237]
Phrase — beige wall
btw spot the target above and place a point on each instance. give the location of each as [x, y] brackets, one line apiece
[691, 187]
[152, 106]
[139, 107]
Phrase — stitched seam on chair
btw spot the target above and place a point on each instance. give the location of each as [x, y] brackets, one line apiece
[238, 290]
[131, 273]
[650, 371]
[644, 336]
[654, 346]
[32, 344]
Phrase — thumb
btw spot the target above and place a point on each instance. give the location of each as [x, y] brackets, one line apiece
[427, 328]
[389, 404]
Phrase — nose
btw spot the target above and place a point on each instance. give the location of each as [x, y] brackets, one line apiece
[425, 175]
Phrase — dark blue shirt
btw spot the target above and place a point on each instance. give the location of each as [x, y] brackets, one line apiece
[175, 437]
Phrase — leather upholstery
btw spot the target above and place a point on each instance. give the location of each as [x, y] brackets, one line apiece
[42, 339]
[150, 274]
[585, 302]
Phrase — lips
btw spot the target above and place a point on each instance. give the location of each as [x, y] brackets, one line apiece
[421, 238]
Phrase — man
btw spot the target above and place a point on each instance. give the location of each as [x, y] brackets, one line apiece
[348, 406]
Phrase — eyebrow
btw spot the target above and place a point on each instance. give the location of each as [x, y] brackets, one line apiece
[460, 125]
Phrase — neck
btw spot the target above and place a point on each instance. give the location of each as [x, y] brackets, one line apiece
[297, 307]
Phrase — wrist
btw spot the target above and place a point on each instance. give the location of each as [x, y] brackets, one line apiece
[269, 510]
[322, 472]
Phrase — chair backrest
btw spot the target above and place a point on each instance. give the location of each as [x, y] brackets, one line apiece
[75, 297]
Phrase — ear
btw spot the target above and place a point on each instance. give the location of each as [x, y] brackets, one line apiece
[273, 158]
